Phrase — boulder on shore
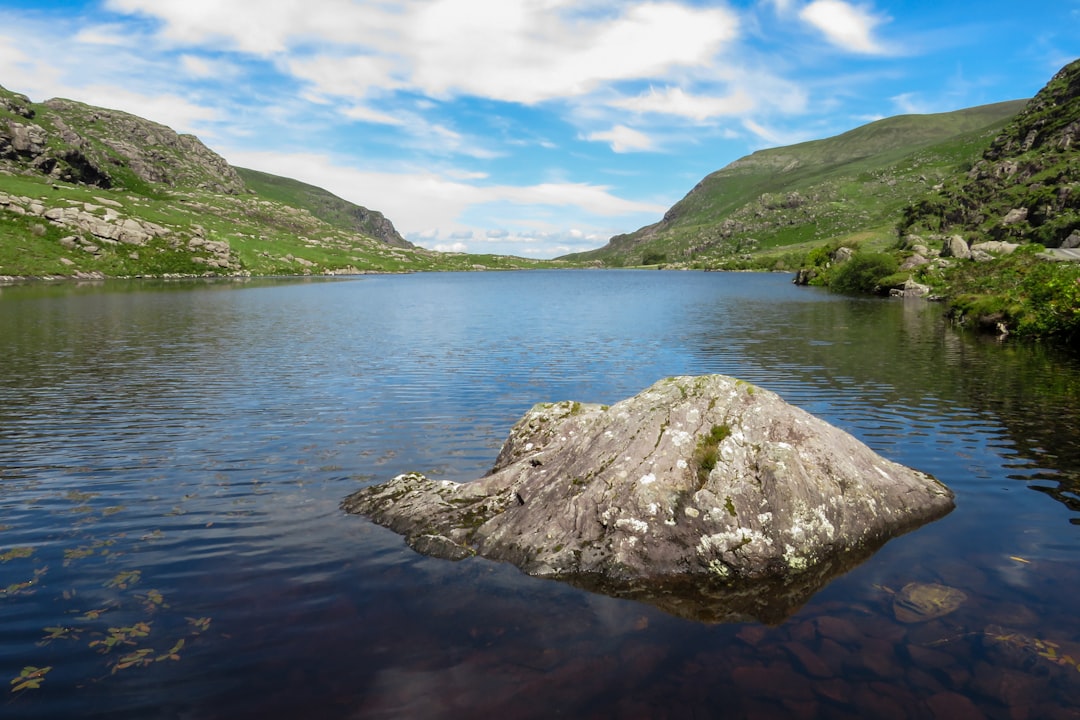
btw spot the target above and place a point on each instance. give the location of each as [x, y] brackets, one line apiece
[707, 496]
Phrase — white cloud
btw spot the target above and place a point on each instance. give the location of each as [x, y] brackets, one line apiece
[178, 113]
[455, 247]
[523, 51]
[202, 68]
[114, 35]
[774, 137]
[623, 139]
[356, 76]
[909, 103]
[366, 114]
[675, 101]
[423, 201]
[255, 26]
[848, 26]
[526, 51]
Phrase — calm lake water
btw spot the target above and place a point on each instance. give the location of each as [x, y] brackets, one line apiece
[172, 456]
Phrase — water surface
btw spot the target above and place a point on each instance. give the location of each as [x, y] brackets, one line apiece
[172, 456]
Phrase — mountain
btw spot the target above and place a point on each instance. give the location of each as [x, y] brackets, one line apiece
[324, 205]
[92, 192]
[1026, 185]
[851, 186]
[76, 143]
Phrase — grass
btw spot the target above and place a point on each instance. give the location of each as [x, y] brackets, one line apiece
[707, 452]
[812, 193]
[273, 226]
[1023, 293]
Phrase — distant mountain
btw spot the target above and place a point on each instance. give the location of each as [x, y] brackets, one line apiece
[324, 205]
[852, 186]
[92, 192]
[1026, 185]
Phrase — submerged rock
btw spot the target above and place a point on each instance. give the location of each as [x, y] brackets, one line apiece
[707, 496]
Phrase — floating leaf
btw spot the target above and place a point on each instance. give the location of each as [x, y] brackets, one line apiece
[19, 552]
[137, 658]
[172, 654]
[1019, 559]
[153, 600]
[30, 678]
[93, 614]
[124, 580]
[16, 588]
[121, 636]
[199, 624]
[73, 554]
[60, 633]
[81, 497]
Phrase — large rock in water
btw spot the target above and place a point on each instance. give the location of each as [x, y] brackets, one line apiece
[707, 496]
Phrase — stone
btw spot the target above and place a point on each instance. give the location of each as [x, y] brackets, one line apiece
[919, 602]
[838, 629]
[1014, 216]
[842, 254]
[956, 247]
[912, 262]
[995, 247]
[910, 288]
[706, 496]
[951, 706]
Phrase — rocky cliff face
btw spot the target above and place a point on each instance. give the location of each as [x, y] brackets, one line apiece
[1026, 186]
[77, 143]
[691, 495]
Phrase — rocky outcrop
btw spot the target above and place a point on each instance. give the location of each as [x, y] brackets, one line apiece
[104, 226]
[1024, 187]
[708, 496]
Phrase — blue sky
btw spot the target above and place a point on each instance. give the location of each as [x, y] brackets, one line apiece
[528, 127]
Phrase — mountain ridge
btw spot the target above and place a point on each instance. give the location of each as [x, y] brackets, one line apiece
[1025, 187]
[810, 191]
[91, 192]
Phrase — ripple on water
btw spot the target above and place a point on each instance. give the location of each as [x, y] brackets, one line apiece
[195, 443]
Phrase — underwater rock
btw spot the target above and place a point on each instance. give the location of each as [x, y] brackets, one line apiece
[707, 496]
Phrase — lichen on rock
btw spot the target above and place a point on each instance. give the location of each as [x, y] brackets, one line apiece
[708, 484]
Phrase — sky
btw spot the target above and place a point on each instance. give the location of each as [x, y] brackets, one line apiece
[527, 127]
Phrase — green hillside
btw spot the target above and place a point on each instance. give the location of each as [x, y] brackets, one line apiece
[88, 192]
[852, 186]
[324, 205]
[1025, 187]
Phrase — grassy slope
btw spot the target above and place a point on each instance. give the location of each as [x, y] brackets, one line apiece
[851, 185]
[1034, 165]
[266, 236]
[323, 204]
[280, 227]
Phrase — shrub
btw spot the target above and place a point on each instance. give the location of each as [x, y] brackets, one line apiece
[863, 273]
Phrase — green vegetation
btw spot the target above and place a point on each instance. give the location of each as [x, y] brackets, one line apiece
[89, 192]
[766, 210]
[847, 211]
[707, 452]
[1022, 292]
[863, 274]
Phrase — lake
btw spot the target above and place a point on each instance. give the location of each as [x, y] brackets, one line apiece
[173, 454]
